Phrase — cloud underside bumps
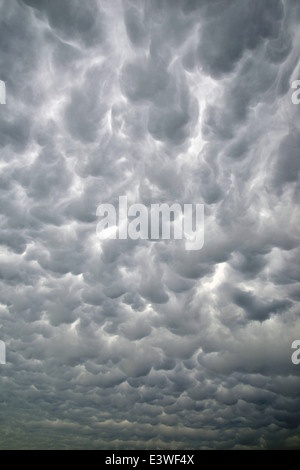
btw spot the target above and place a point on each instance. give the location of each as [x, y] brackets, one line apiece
[125, 344]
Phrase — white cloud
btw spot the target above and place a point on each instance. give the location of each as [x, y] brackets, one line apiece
[138, 344]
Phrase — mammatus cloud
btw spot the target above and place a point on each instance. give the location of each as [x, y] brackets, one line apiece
[139, 344]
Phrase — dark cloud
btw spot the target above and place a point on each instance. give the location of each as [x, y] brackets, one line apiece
[234, 29]
[72, 20]
[142, 344]
[257, 309]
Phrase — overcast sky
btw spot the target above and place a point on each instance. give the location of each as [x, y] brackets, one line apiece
[139, 344]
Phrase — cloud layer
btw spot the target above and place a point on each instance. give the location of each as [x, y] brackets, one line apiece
[125, 344]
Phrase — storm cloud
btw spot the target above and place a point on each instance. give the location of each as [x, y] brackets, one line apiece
[123, 344]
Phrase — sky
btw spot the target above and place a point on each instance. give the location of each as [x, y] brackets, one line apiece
[123, 344]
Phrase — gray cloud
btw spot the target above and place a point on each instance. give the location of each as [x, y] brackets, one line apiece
[141, 344]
